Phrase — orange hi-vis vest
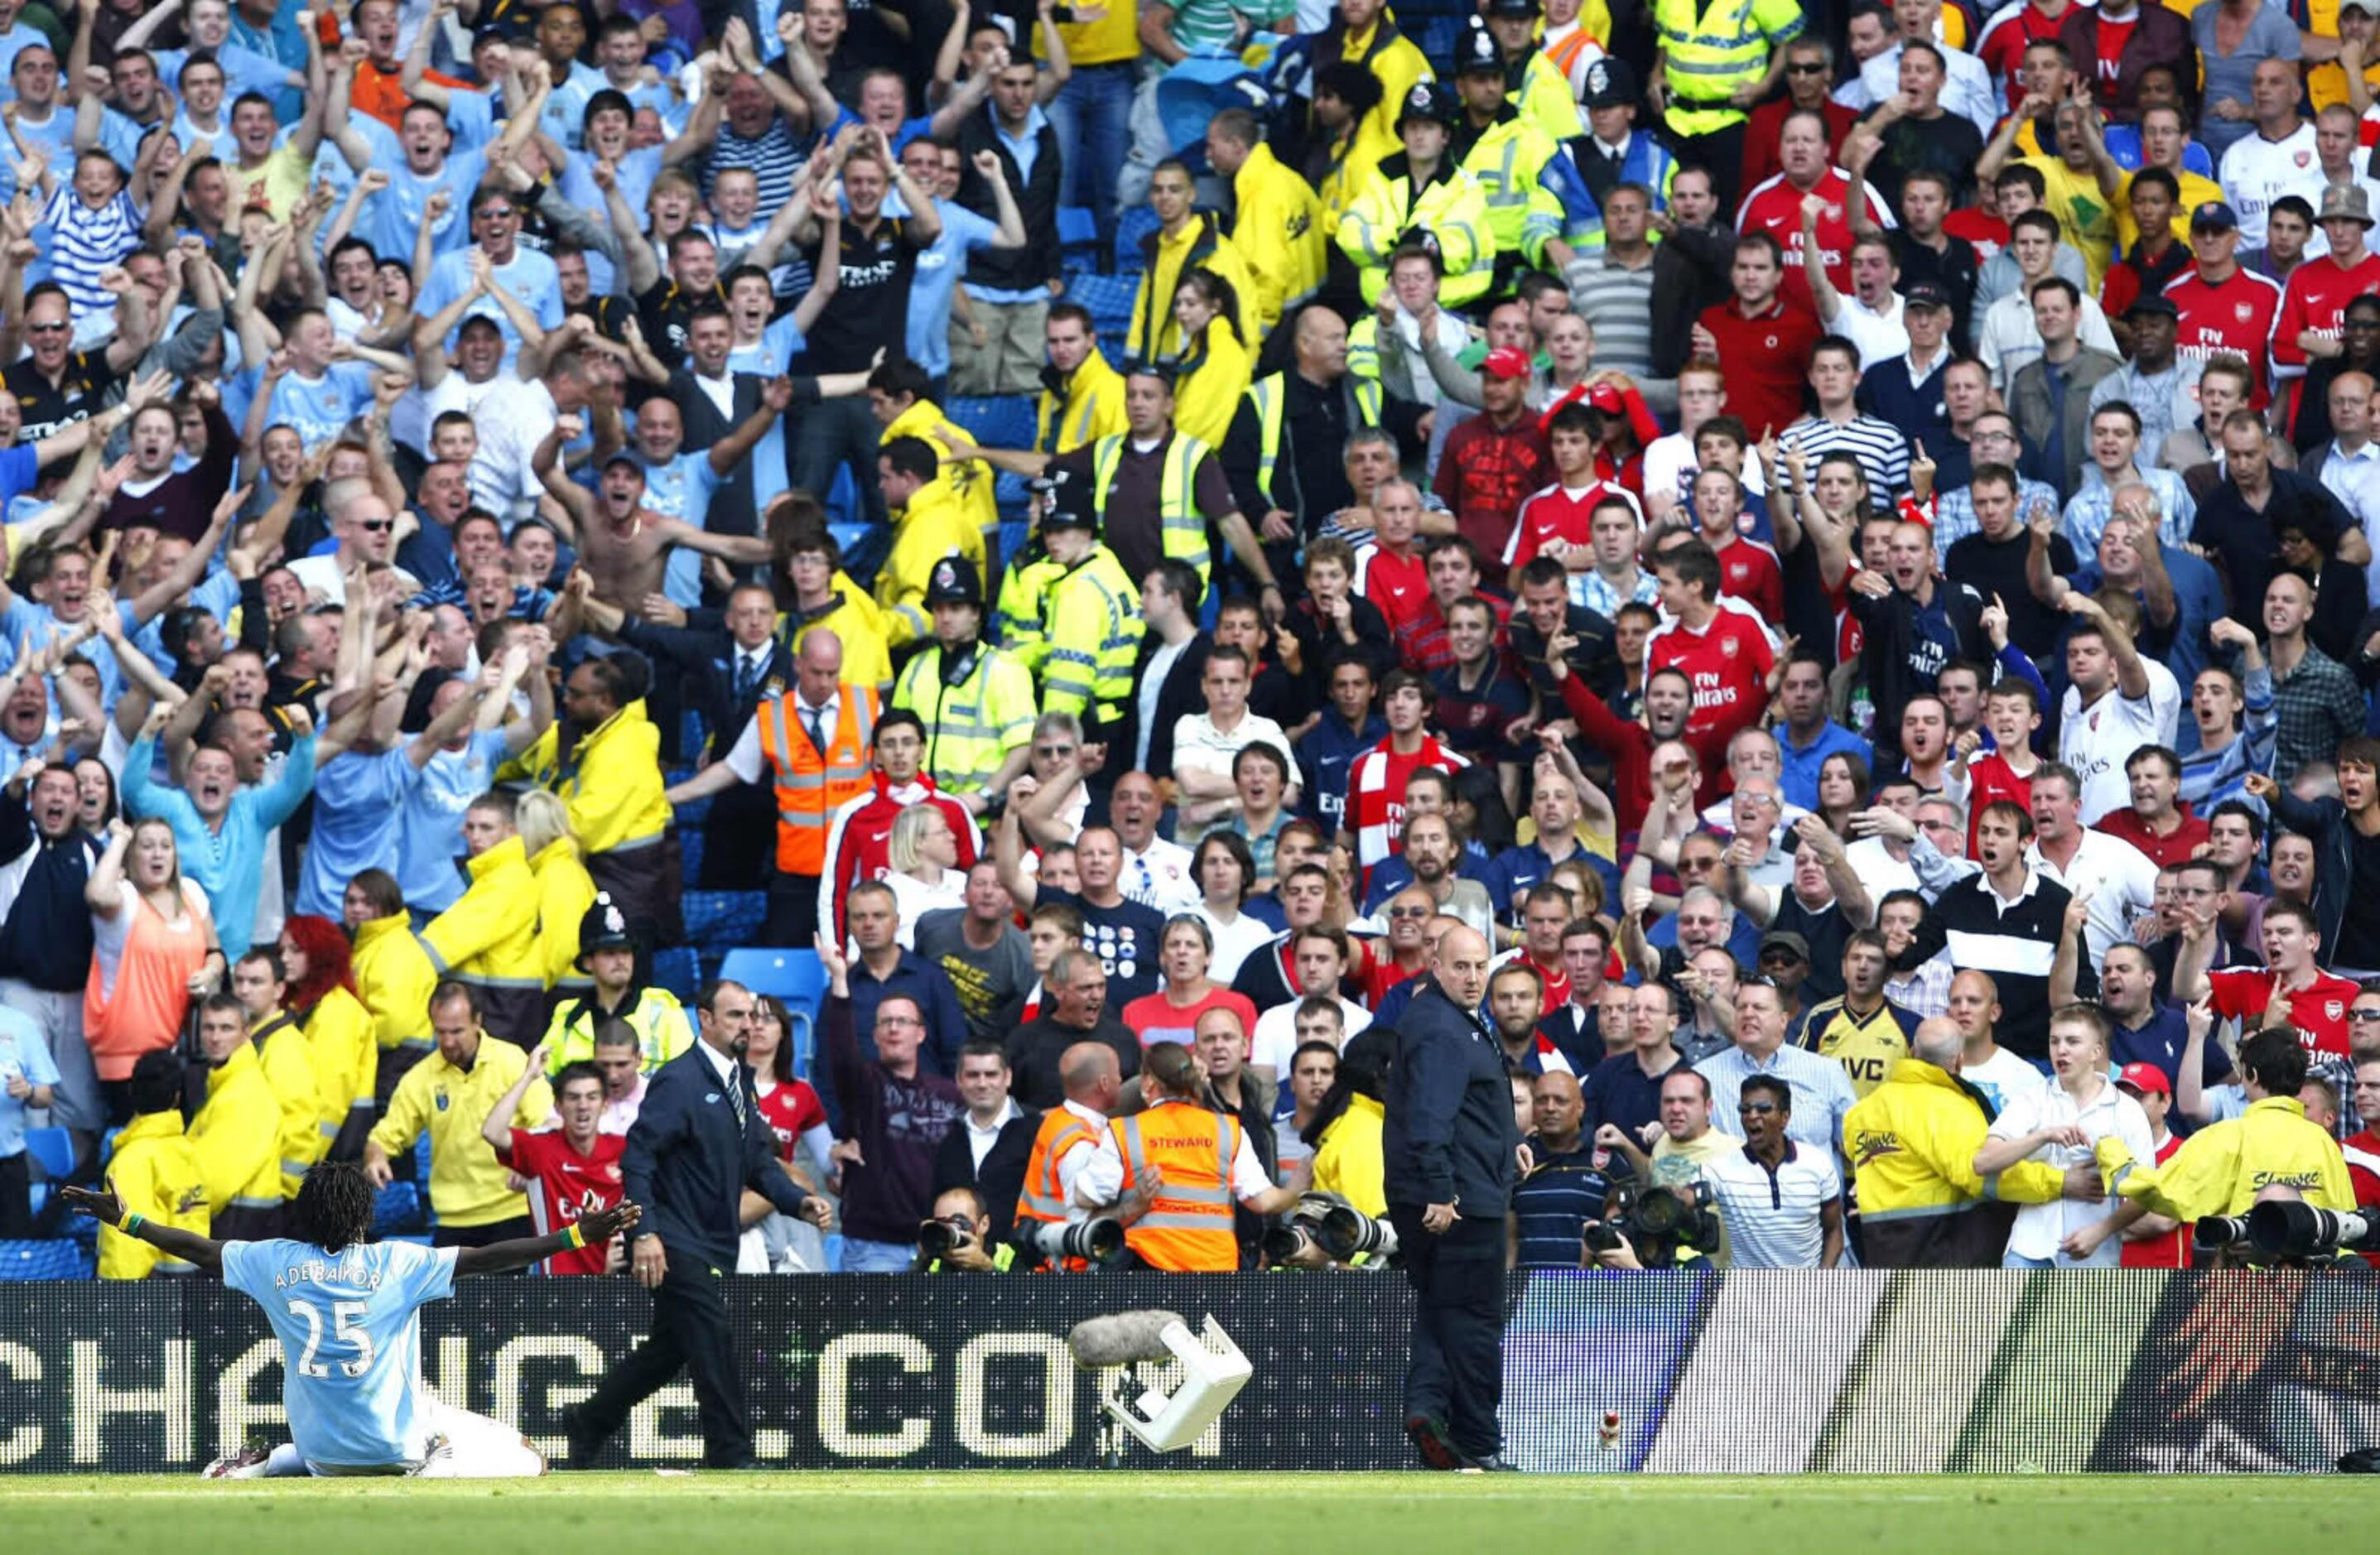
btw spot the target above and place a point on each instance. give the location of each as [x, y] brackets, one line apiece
[811, 784]
[1044, 1198]
[1188, 1227]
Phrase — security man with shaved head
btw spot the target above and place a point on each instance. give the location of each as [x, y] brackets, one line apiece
[1450, 1147]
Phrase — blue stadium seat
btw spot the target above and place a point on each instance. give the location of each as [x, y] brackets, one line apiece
[843, 497]
[996, 420]
[53, 1151]
[720, 920]
[1131, 227]
[1076, 225]
[1108, 298]
[689, 847]
[1011, 494]
[796, 976]
[55, 1259]
[397, 1207]
[680, 971]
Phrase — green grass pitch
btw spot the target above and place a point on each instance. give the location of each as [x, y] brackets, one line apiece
[990, 1513]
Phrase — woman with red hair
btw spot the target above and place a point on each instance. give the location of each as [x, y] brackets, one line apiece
[339, 1033]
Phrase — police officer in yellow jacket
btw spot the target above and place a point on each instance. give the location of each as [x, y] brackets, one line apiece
[1912, 1143]
[2220, 1169]
[1714, 62]
[1533, 82]
[929, 522]
[1503, 147]
[975, 700]
[1420, 196]
[1276, 219]
[1091, 622]
[607, 954]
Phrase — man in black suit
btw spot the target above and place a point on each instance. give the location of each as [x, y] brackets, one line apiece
[1449, 1150]
[728, 668]
[699, 1142]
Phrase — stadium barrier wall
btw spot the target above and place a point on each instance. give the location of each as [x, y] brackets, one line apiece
[1756, 1372]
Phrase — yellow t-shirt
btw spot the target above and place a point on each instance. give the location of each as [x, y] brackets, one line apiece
[281, 179]
[1866, 1048]
[2195, 191]
[2085, 215]
[2326, 84]
[467, 1184]
[1111, 34]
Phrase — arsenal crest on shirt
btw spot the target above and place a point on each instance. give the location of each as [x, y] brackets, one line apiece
[2244, 310]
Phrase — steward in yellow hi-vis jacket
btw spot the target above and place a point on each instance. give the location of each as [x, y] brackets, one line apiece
[1082, 394]
[1277, 223]
[2220, 1169]
[1184, 239]
[154, 1171]
[1912, 1144]
[487, 939]
[1092, 624]
[236, 1134]
[1420, 196]
[930, 521]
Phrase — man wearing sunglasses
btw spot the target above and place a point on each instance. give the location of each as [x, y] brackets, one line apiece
[365, 528]
[1780, 1197]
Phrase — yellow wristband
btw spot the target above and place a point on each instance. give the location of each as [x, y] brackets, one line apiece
[577, 1238]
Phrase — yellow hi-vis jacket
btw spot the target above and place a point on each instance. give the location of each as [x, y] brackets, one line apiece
[973, 724]
[289, 1070]
[1214, 378]
[1506, 161]
[1278, 229]
[1182, 528]
[153, 1169]
[1544, 98]
[468, 1184]
[1025, 601]
[935, 524]
[1451, 208]
[969, 480]
[1267, 396]
[394, 979]
[339, 1035]
[489, 935]
[1913, 1145]
[2219, 1170]
[611, 784]
[1200, 245]
[1080, 407]
[1708, 50]
[564, 892]
[1093, 629]
[1397, 63]
[851, 615]
[237, 1137]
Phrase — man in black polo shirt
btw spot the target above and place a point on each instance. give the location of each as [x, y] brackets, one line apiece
[1564, 1188]
[870, 311]
[57, 385]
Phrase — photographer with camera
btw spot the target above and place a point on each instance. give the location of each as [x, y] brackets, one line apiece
[958, 1238]
[1451, 1148]
[1666, 1210]
[2220, 1167]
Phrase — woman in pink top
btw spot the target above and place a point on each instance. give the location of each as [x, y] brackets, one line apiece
[155, 950]
[1170, 1015]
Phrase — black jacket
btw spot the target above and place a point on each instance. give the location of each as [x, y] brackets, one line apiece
[1035, 1047]
[707, 658]
[731, 511]
[46, 933]
[1690, 273]
[1181, 695]
[688, 1164]
[1449, 1136]
[1001, 1178]
[1891, 655]
[1037, 205]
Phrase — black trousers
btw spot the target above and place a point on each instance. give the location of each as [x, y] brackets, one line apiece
[1720, 153]
[1456, 1371]
[520, 1228]
[793, 912]
[691, 1332]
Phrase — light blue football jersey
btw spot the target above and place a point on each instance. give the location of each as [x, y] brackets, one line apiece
[350, 1329]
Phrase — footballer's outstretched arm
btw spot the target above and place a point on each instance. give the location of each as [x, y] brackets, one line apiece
[192, 1248]
[591, 1230]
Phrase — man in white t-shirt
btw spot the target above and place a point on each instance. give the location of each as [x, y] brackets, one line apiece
[1319, 957]
[2280, 159]
[2004, 1078]
[2040, 1127]
[2111, 707]
[1207, 743]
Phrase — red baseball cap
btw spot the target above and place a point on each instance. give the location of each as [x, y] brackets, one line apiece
[1606, 399]
[1506, 361]
[2144, 1076]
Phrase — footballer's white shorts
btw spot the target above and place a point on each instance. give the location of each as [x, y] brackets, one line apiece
[462, 1446]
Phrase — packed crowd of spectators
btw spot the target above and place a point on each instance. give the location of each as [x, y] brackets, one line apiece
[1836, 538]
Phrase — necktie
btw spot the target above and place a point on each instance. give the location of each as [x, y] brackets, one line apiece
[816, 719]
[748, 674]
[735, 1097]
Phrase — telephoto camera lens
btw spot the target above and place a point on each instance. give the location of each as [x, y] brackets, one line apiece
[1347, 1232]
[1099, 1241]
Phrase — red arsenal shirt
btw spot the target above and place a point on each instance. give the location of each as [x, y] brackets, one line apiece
[1559, 513]
[2317, 1010]
[2317, 299]
[1750, 571]
[1765, 358]
[564, 1184]
[2234, 315]
[1728, 661]
[1398, 585]
[1775, 208]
